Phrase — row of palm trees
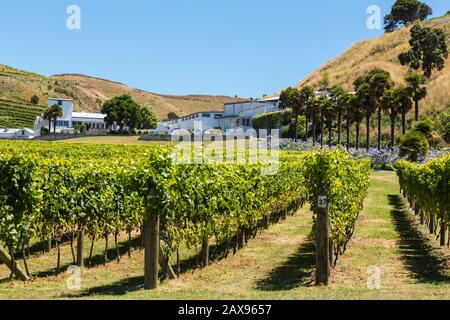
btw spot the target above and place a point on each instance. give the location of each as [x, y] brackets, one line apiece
[53, 113]
[374, 93]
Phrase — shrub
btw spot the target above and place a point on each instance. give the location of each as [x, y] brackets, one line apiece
[172, 116]
[34, 99]
[44, 131]
[427, 128]
[413, 145]
[424, 126]
[443, 125]
[80, 128]
[288, 132]
[272, 120]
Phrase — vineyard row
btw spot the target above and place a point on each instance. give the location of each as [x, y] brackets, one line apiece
[57, 191]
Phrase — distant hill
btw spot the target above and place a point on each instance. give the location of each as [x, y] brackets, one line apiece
[89, 93]
[383, 52]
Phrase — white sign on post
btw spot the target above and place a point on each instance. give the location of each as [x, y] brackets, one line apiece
[322, 202]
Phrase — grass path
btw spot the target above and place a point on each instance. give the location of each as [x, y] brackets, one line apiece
[278, 264]
[388, 236]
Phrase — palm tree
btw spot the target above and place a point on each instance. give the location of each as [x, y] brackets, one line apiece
[327, 115]
[357, 110]
[337, 95]
[56, 112]
[403, 98]
[48, 116]
[290, 98]
[415, 83]
[306, 93]
[347, 108]
[392, 108]
[297, 100]
[370, 87]
[314, 107]
[321, 113]
[379, 83]
[363, 94]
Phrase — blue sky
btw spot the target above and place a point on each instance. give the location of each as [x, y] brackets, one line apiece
[231, 47]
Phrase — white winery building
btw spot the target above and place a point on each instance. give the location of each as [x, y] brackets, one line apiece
[235, 115]
[70, 119]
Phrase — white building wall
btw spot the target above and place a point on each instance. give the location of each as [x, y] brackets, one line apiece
[66, 105]
[67, 122]
[250, 108]
[191, 122]
[235, 115]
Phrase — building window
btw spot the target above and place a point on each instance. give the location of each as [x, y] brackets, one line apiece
[245, 122]
[207, 115]
[62, 123]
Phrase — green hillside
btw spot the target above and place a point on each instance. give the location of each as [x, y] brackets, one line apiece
[14, 114]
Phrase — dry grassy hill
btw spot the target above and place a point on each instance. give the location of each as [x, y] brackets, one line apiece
[89, 93]
[383, 52]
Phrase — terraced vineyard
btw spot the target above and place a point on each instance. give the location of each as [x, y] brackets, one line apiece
[14, 114]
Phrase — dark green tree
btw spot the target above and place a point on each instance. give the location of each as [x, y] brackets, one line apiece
[148, 118]
[370, 89]
[34, 99]
[172, 116]
[48, 116]
[288, 132]
[363, 94]
[404, 11]
[413, 144]
[442, 123]
[55, 112]
[325, 82]
[392, 108]
[378, 85]
[314, 110]
[341, 100]
[416, 89]
[290, 98]
[306, 93]
[428, 51]
[122, 111]
[403, 98]
[357, 111]
[327, 115]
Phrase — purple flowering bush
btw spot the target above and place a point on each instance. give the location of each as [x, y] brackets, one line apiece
[383, 159]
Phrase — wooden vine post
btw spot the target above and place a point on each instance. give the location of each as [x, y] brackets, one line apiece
[80, 246]
[322, 240]
[153, 254]
[6, 259]
[443, 233]
[151, 243]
